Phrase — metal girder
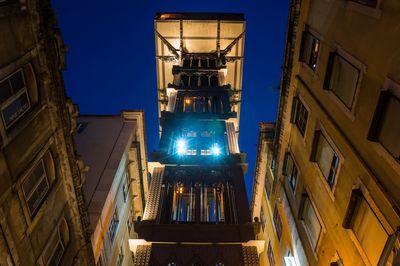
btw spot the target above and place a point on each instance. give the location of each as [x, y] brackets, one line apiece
[171, 48]
[228, 49]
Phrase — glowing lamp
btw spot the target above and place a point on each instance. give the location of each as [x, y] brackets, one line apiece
[181, 146]
[215, 150]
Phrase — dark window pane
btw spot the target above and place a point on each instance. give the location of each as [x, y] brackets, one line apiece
[195, 62]
[204, 81]
[204, 63]
[194, 81]
[213, 80]
[5, 90]
[17, 81]
[389, 132]
[15, 109]
[370, 3]
[212, 62]
[184, 80]
[186, 63]
[309, 50]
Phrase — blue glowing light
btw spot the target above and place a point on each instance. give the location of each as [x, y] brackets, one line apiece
[181, 146]
[215, 150]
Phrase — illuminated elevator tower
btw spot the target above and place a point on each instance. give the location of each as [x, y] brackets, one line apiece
[197, 211]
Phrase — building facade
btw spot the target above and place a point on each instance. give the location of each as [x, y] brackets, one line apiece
[113, 151]
[197, 211]
[43, 218]
[335, 156]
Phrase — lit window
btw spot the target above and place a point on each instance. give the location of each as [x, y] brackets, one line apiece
[342, 78]
[37, 183]
[212, 203]
[277, 222]
[112, 228]
[310, 220]
[14, 98]
[370, 3]
[270, 253]
[290, 171]
[366, 226]
[191, 152]
[309, 49]
[183, 205]
[385, 127]
[299, 115]
[326, 158]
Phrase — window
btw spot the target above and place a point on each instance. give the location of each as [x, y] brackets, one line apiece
[127, 184]
[214, 80]
[309, 49]
[385, 127]
[263, 218]
[277, 222]
[120, 256]
[290, 171]
[14, 98]
[57, 244]
[270, 254]
[268, 185]
[112, 228]
[342, 78]
[367, 228]
[370, 3]
[326, 158]
[183, 203]
[299, 115]
[37, 183]
[310, 220]
[204, 81]
[212, 203]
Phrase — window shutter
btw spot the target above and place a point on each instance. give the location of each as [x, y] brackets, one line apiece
[293, 115]
[329, 71]
[314, 147]
[356, 197]
[304, 38]
[285, 162]
[379, 111]
[303, 203]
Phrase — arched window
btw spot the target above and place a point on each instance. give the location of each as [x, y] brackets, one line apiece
[204, 81]
[195, 62]
[186, 63]
[184, 80]
[194, 81]
[214, 80]
[204, 63]
[212, 62]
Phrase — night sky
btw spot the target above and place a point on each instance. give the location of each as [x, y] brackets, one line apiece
[111, 59]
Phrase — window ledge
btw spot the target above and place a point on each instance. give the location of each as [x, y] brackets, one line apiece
[373, 12]
[349, 113]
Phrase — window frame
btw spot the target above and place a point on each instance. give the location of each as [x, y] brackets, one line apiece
[316, 37]
[15, 96]
[296, 102]
[48, 179]
[391, 89]
[359, 193]
[357, 64]
[320, 131]
[270, 254]
[113, 226]
[277, 218]
[286, 173]
[305, 196]
[374, 12]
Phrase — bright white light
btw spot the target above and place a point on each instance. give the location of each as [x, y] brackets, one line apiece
[181, 146]
[215, 150]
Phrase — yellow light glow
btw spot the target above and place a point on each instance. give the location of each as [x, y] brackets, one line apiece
[181, 190]
[187, 101]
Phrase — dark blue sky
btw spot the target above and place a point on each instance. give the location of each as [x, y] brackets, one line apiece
[111, 58]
